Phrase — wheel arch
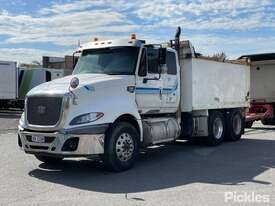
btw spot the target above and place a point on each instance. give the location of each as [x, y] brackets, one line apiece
[226, 112]
[133, 120]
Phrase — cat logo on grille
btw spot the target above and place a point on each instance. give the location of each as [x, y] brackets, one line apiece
[41, 109]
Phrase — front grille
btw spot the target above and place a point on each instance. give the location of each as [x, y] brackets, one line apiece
[44, 111]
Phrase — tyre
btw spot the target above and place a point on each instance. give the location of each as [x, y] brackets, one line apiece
[268, 121]
[248, 124]
[235, 126]
[121, 147]
[264, 122]
[4, 105]
[216, 129]
[49, 160]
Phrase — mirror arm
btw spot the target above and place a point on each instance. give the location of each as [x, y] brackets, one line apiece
[76, 52]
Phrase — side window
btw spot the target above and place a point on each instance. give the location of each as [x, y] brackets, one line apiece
[48, 76]
[153, 60]
[143, 64]
[171, 63]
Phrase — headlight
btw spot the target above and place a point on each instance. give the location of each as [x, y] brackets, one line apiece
[86, 118]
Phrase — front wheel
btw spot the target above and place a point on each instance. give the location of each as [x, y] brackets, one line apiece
[49, 160]
[121, 147]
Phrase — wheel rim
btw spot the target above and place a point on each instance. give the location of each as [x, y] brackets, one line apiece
[124, 147]
[218, 128]
[237, 124]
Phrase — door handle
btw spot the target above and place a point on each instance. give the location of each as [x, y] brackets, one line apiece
[131, 89]
[145, 80]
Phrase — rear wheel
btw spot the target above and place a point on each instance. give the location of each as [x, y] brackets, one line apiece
[49, 160]
[235, 126]
[121, 147]
[268, 121]
[216, 129]
[4, 104]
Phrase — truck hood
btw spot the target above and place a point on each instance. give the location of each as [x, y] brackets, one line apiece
[87, 82]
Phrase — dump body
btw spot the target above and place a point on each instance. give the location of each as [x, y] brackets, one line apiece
[8, 79]
[262, 81]
[208, 84]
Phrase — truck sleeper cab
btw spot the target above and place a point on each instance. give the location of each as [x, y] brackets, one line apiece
[124, 95]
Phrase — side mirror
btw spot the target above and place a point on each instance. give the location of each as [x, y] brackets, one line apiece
[75, 58]
[142, 72]
[162, 56]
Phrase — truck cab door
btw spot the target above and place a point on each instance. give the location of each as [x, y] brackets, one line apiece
[171, 84]
[148, 84]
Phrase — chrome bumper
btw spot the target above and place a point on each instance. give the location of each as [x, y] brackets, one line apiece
[90, 141]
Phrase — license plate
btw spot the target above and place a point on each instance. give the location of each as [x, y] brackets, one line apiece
[38, 139]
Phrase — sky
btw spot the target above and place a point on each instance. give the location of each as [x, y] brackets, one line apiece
[32, 28]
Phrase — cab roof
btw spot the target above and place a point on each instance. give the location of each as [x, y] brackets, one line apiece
[111, 43]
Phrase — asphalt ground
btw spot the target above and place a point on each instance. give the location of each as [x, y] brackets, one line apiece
[235, 173]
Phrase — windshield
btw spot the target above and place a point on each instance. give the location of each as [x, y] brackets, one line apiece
[112, 60]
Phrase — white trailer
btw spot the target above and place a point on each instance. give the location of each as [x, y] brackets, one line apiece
[262, 89]
[32, 77]
[8, 80]
[262, 81]
[126, 94]
[16, 82]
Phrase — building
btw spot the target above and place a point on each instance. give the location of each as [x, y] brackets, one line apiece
[65, 63]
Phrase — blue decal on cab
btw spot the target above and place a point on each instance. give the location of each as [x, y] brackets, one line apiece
[152, 90]
[89, 88]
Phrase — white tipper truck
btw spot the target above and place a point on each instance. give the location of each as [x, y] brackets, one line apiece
[126, 94]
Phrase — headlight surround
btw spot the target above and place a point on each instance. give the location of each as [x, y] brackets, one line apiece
[86, 118]
[22, 119]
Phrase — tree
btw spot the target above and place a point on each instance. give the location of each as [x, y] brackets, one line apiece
[219, 56]
[33, 64]
[36, 63]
